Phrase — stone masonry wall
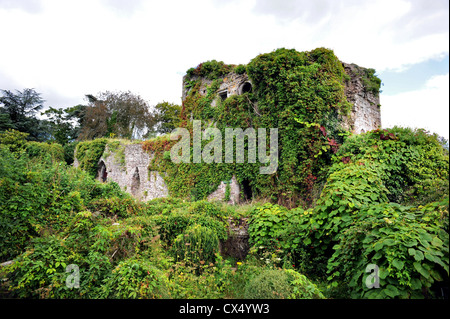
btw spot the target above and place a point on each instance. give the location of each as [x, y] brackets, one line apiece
[219, 194]
[365, 115]
[131, 172]
[132, 175]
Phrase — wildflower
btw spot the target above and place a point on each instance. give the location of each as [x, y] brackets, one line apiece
[239, 263]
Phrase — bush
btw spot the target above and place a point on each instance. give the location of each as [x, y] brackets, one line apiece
[275, 233]
[303, 288]
[240, 69]
[281, 284]
[14, 140]
[40, 271]
[88, 154]
[174, 219]
[53, 151]
[409, 246]
[197, 245]
[269, 284]
[135, 278]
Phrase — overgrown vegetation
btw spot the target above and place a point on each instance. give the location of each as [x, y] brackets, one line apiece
[300, 93]
[53, 216]
[339, 204]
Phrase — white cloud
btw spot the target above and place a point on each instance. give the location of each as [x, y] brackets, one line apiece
[426, 108]
[71, 48]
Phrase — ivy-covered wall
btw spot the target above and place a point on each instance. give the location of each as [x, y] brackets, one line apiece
[313, 99]
[122, 162]
[303, 94]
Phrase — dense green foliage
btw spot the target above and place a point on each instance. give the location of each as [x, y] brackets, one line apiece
[300, 93]
[54, 216]
[281, 284]
[337, 205]
[88, 153]
[364, 216]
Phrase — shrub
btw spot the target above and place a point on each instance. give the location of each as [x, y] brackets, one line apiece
[274, 233]
[88, 154]
[38, 271]
[116, 206]
[53, 151]
[240, 69]
[135, 278]
[269, 284]
[14, 140]
[409, 246]
[302, 287]
[197, 245]
[281, 284]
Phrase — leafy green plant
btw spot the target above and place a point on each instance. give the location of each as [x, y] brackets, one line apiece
[277, 233]
[281, 284]
[240, 69]
[197, 245]
[269, 284]
[88, 154]
[135, 278]
[409, 246]
[37, 272]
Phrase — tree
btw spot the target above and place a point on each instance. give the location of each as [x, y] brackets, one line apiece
[121, 114]
[166, 117]
[76, 115]
[61, 128]
[18, 111]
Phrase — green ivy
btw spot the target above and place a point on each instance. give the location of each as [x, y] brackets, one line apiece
[290, 88]
[88, 153]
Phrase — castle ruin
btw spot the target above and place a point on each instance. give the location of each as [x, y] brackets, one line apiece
[133, 175]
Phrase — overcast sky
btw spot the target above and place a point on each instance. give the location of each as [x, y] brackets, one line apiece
[66, 49]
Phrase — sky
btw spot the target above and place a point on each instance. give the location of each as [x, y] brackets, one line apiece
[65, 49]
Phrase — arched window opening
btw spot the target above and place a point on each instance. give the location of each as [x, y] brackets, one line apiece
[246, 87]
[223, 95]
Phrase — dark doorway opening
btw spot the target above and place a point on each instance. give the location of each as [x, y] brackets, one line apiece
[247, 189]
[135, 182]
[102, 173]
[223, 95]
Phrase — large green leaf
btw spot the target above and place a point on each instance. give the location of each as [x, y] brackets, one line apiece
[421, 270]
[391, 291]
[398, 264]
[418, 255]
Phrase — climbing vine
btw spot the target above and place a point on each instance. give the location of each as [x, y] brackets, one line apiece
[291, 89]
[88, 154]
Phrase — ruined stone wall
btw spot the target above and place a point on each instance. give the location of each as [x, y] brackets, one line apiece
[232, 84]
[128, 167]
[365, 114]
[219, 194]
